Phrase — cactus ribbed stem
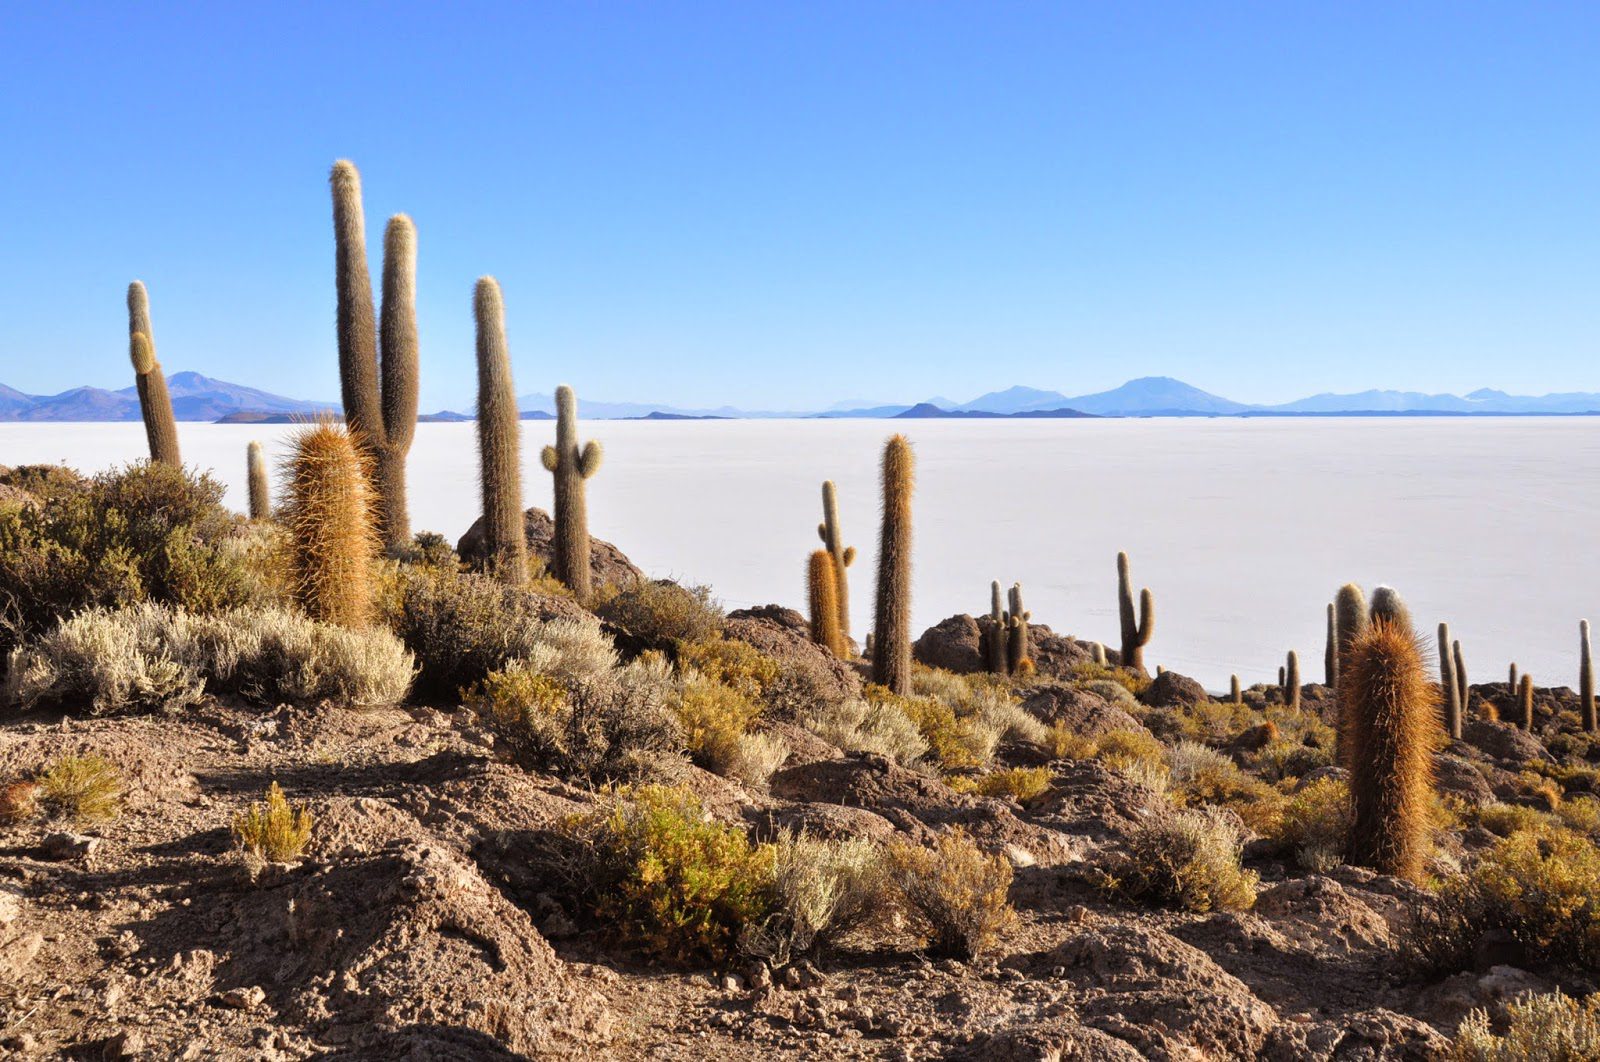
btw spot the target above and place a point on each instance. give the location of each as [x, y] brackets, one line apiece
[1330, 651]
[1448, 683]
[843, 556]
[1350, 622]
[155, 401]
[571, 468]
[260, 490]
[1018, 644]
[821, 586]
[1235, 694]
[891, 662]
[1525, 702]
[1585, 677]
[1291, 681]
[499, 440]
[328, 511]
[1464, 688]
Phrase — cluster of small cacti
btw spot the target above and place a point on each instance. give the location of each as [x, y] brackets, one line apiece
[380, 396]
[843, 556]
[155, 401]
[1004, 641]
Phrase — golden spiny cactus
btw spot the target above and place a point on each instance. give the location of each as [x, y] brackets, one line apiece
[821, 586]
[1394, 712]
[329, 512]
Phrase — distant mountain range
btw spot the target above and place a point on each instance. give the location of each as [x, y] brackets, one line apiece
[202, 398]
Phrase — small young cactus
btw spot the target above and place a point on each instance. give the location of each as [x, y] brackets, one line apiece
[155, 401]
[380, 399]
[260, 492]
[329, 514]
[1394, 710]
[1291, 681]
[1235, 694]
[571, 468]
[891, 661]
[499, 440]
[1018, 644]
[1098, 653]
[1449, 684]
[1511, 679]
[1136, 626]
[843, 556]
[821, 586]
[1585, 677]
[1525, 702]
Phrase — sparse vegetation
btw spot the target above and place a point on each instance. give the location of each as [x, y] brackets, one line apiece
[1539, 1028]
[83, 789]
[954, 893]
[273, 829]
[822, 891]
[665, 613]
[1188, 860]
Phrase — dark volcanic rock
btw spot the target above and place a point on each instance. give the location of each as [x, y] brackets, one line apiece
[951, 644]
[1504, 741]
[1171, 690]
[783, 634]
[1458, 778]
[1084, 713]
[607, 563]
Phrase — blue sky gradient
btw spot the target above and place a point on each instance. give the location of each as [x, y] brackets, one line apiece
[780, 206]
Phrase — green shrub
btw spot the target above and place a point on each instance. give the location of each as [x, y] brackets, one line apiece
[151, 657]
[953, 892]
[463, 625]
[1187, 860]
[1535, 887]
[1316, 824]
[601, 726]
[1540, 1028]
[1018, 783]
[731, 663]
[274, 829]
[43, 483]
[682, 888]
[1132, 681]
[81, 788]
[663, 612]
[149, 532]
[955, 741]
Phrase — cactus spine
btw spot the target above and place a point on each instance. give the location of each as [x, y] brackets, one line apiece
[821, 586]
[571, 468]
[1394, 709]
[843, 556]
[380, 400]
[260, 492]
[891, 660]
[1018, 644]
[1136, 626]
[155, 401]
[1585, 676]
[1525, 702]
[1235, 694]
[329, 515]
[1291, 681]
[499, 440]
[1449, 684]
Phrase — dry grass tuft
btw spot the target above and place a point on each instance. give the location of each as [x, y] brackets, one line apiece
[274, 829]
[81, 788]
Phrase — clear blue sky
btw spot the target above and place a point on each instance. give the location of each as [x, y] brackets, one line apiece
[781, 205]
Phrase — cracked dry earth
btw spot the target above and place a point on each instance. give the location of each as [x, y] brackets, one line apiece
[420, 924]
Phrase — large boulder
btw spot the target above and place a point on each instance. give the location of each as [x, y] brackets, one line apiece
[1456, 777]
[1172, 690]
[1080, 711]
[951, 644]
[811, 671]
[607, 563]
[1055, 655]
[1504, 741]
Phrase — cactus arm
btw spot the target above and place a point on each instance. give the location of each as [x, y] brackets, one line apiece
[589, 460]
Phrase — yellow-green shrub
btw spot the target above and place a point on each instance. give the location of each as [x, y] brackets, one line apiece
[1188, 860]
[82, 788]
[1132, 681]
[732, 663]
[1316, 823]
[821, 891]
[1199, 775]
[1554, 1028]
[955, 742]
[954, 893]
[274, 829]
[665, 878]
[1019, 783]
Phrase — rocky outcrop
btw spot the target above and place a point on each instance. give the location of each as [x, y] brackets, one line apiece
[783, 634]
[1080, 711]
[1172, 690]
[609, 565]
[1504, 741]
[951, 644]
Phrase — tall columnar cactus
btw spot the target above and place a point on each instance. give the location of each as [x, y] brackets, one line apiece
[992, 635]
[380, 399]
[1019, 646]
[1585, 676]
[1291, 681]
[843, 556]
[499, 440]
[260, 491]
[1462, 686]
[1136, 626]
[155, 401]
[1525, 702]
[329, 514]
[571, 467]
[821, 588]
[891, 660]
[1448, 684]
[1235, 694]
[1350, 619]
[1395, 712]
[1330, 651]
[1511, 679]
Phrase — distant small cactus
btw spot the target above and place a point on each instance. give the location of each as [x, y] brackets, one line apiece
[1394, 711]
[1291, 681]
[1137, 625]
[571, 468]
[1462, 686]
[155, 401]
[1585, 677]
[499, 440]
[843, 556]
[1525, 702]
[891, 662]
[821, 586]
[329, 513]
[260, 490]
[1448, 684]
[992, 633]
[1097, 652]
[1511, 680]
[1350, 622]
[1235, 694]
[1330, 652]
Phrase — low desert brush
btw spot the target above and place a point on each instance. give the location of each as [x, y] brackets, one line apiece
[731, 663]
[663, 611]
[871, 727]
[1200, 775]
[953, 892]
[81, 788]
[274, 829]
[955, 742]
[1019, 783]
[1539, 1028]
[1187, 860]
[1132, 681]
[821, 892]
[1316, 824]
